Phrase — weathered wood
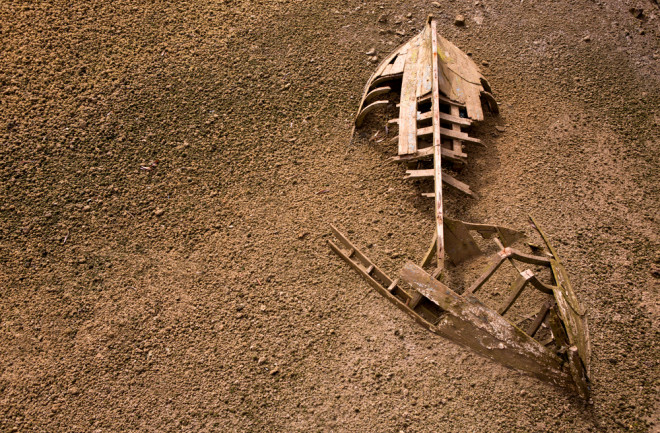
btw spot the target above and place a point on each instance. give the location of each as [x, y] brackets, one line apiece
[470, 323]
[533, 327]
[443, 116]
[570, 310]
[448, 179]
[461, 79]
[449, 133]
[396, 295]
[429, 253]
[515, 290]
[424, 67]
[415, 174]
[437, 149]
[408, 104]
[495, 263]
[378, 91]
[385, 79]
[368, 109]
[456, 144]
[451, 118]
[443, 99]
[428, 151]
[459, 244]
[399, 62]
[578, 372]
[457, 184]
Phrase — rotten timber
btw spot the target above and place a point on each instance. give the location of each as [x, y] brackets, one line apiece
[441, 94]
[465, 320]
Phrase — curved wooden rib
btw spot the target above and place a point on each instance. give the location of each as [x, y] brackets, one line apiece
[378, 92]
[368, 109]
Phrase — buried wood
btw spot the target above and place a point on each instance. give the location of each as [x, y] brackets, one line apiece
[441, 96]
[465, 320]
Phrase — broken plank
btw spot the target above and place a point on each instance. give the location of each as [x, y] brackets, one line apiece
[470, 323]
[443, 116]
[449, 133]
[457, 184]
[515, 289]
[441, 98]
[428, 151]
[455, 119]
[538, 320]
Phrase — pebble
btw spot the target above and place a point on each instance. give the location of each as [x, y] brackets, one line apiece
[586, 38]
[459, 20]
[373, 59]
[382, 18]
[485, 63]
[500, 128]
[159, 212]
[371, 52]
[274, 371]
[436, 4]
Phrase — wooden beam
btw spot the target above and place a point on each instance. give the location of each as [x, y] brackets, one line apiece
[428, 151]
[408, 104]
[456, 144]
[470, 323]
[442, 98]
[437, 150]
[449, 133]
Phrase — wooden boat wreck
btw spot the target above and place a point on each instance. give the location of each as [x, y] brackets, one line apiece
[441, 93]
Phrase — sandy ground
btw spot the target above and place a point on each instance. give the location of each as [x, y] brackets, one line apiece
[169, 171]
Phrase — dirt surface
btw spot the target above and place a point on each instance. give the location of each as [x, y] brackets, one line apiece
[169, 171]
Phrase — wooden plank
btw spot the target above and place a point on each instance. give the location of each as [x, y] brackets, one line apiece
[457, 184]
[448, 133]
[456, 144]
[455, 119]
[428, 151]
[414, 174]
[470, 323]
[494, 265]
[424, 67]
[437, 150]
[578, 372]
[408, 104]
[368, 109]
[377, 272]
[570, 311]
[538, 320]
[442, 99]
[429, 253]
[443, 116]
[515, 289]
[399, 62]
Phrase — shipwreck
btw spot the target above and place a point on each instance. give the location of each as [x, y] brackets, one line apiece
[441, 92]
